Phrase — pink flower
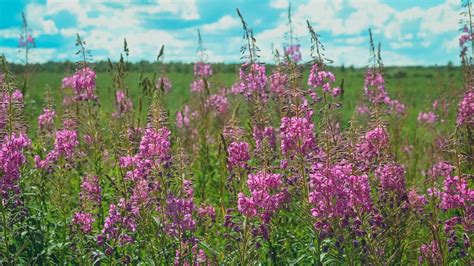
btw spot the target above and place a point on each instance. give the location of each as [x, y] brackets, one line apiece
[84, 221]
[202, 70]
[238, 155]
[278, 83]
[466, 110]
[297, 136]
[83, 82]
[320, 78]
[253, 81]
[428, 118]
[267, 195]
[218, 103]
[123, 104]
[183, 117]
[293, 51]
[163, 83]
[46, 119]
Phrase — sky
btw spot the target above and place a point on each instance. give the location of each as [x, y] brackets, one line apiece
[411, 32]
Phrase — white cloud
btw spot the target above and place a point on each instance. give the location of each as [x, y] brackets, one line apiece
[280, 4]
[224, 23]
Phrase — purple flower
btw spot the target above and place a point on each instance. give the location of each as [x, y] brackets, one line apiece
[320, 78]
[83, 82]
[278, 83]
[118, 225]
[253, 81]
[179, 215]
[428, 118]
[466, 110]
[337, 193]
[46, 119]
[65, 144]
[218, 103]
[267, 195]
[84, 220]
[163, 82]
[392, 180]
[183, 117]
[202, 70]
[372, 144]
[123, 104]
[198, 85]
[293, 51]
[267, 135]
[297, 136]
[90, 190]
[11, 159]
[238, 155]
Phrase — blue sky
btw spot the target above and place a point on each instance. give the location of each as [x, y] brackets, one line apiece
[412, 32]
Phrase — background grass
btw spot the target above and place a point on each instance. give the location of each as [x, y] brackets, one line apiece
[416, 87]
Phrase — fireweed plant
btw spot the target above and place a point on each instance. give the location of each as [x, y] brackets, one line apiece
[263, 171]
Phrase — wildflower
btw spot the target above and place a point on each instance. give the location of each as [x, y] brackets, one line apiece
[392, 180]
[198, 85]
[83, 82]
[266, 196]
[430, 252]
[65, 144]
[456, 194]
[320, 78]
[218, 103]
[84, 221]
[182, 118]
[11, 159]
[278, 83]
[267, 135]
[337, 193]
[117, 225]
[46, 119]
[428, 118]
[202, 70]
[238, 155]
[293, 51]
[163, 83]
[253, 81]
[123, 104]
[90, 190]
[297, 136]
[466, 110]
[372, 144]
[179, 215]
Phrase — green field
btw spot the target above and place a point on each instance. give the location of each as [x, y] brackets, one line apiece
[416, 87]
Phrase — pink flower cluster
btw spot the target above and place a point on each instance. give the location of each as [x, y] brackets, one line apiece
[154, 151]
[83, 82]
[84, 220]
[90, 190]
[198, 85]
[324, 79]
[253, 81]
[118, 225]
[430, 253]
[297, 136]
[267, 195]
[46, 119]
[11, 159]
[163, 83]
[183, 117]
[218, 103]
[5, 100]
[428, 118]
[293, 51]
[466, 110]
[238, 155]
[202, 70]
[179, 214]
[65, 144]
[123, 104]
[392, 180]
[337, 193]
[267, 135]
[456, 194]
[374, 88]
[278, 83]
[372, 144]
